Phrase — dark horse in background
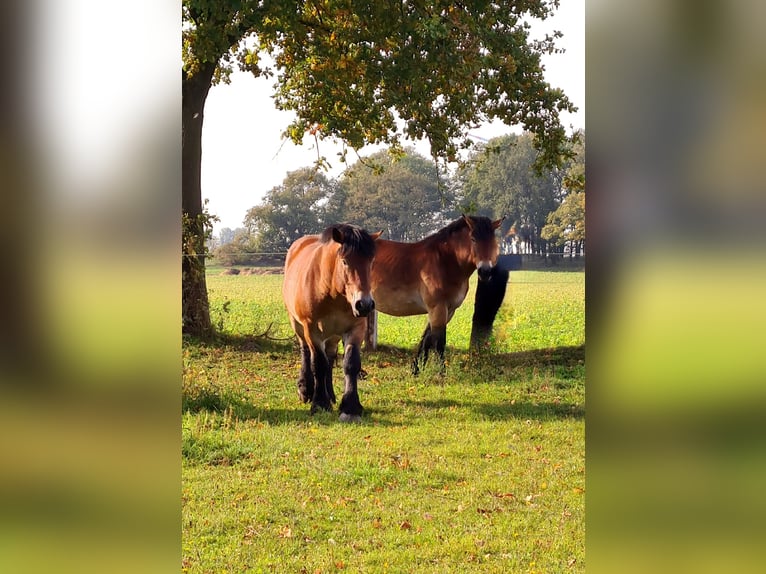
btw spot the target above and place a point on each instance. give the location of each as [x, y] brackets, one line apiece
[326, 291]
[431, 276]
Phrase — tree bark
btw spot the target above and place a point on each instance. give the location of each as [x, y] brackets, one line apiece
[195, 307]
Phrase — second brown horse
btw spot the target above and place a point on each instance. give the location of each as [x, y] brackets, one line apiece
[431, 276]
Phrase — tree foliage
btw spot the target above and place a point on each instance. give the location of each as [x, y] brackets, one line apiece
[351, 68]
[567, 222]
[290, 210]
[403, 198]
[238, 251]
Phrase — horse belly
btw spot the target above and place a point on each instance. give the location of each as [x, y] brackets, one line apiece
[457, 301]
[398, 303]
[333, 327]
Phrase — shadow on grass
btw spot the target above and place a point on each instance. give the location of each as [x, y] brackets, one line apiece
[527, 411]
[239, 407]
[486, 366]
[561, 356]
[262, 343]
[209, 397]
[555, 356]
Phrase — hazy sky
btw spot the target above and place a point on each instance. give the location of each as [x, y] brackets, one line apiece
[244, 156]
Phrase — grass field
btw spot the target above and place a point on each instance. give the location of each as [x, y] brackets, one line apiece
[477, 470]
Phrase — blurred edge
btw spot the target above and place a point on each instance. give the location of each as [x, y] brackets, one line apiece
[676, 294]
[89, 127]
[89, 348]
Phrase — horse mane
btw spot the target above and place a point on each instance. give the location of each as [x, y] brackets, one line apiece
[482, 228]
[355, 239]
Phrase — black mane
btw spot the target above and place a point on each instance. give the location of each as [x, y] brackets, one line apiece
[482, 228]
[355, 239]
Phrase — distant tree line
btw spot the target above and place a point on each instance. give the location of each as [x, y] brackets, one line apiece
[407, 198]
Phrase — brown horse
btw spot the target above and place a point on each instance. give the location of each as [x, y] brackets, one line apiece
[431, 276]
[327, 294]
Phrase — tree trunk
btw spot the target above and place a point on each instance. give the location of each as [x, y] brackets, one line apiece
[195, 307]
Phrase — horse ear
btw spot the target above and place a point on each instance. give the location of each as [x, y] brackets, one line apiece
[496, 224]
[376, 235]
[337, 235]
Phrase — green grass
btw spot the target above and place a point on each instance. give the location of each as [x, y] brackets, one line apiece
[478, 470]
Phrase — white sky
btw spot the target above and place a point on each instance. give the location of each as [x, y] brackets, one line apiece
[244, 156]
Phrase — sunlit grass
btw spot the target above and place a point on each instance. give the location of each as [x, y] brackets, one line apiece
[477, 470]
[530, 318]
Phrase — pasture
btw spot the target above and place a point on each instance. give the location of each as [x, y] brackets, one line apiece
[481, 469]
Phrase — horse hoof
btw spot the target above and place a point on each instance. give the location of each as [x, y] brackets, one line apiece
[348, 418]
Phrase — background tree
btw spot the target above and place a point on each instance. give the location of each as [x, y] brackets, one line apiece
[226, 235]
[400, 197]
[290, 210]
[501, 179]
[567, 223]
[348, 69]
[238, 251]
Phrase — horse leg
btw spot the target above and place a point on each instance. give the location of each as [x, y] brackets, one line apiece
[320, 366]
[423, 348]
[306, 378]
[350, 406]
[438, 317]
[331, 350]
[319, 369]
[439, 340]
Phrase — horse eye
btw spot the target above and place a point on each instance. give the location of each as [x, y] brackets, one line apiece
[345, 261]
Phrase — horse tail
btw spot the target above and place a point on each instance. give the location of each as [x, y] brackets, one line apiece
[489, 297]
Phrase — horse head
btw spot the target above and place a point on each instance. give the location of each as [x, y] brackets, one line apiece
[355, 256]
[484, 246]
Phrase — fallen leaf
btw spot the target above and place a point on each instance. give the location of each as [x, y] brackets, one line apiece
[405, 525]
[505, 495]
[285, 532]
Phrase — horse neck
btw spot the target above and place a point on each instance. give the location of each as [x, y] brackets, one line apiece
[331, 277]
[460, 246]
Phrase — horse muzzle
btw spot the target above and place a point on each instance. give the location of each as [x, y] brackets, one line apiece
[484, 270]
[363, 306]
